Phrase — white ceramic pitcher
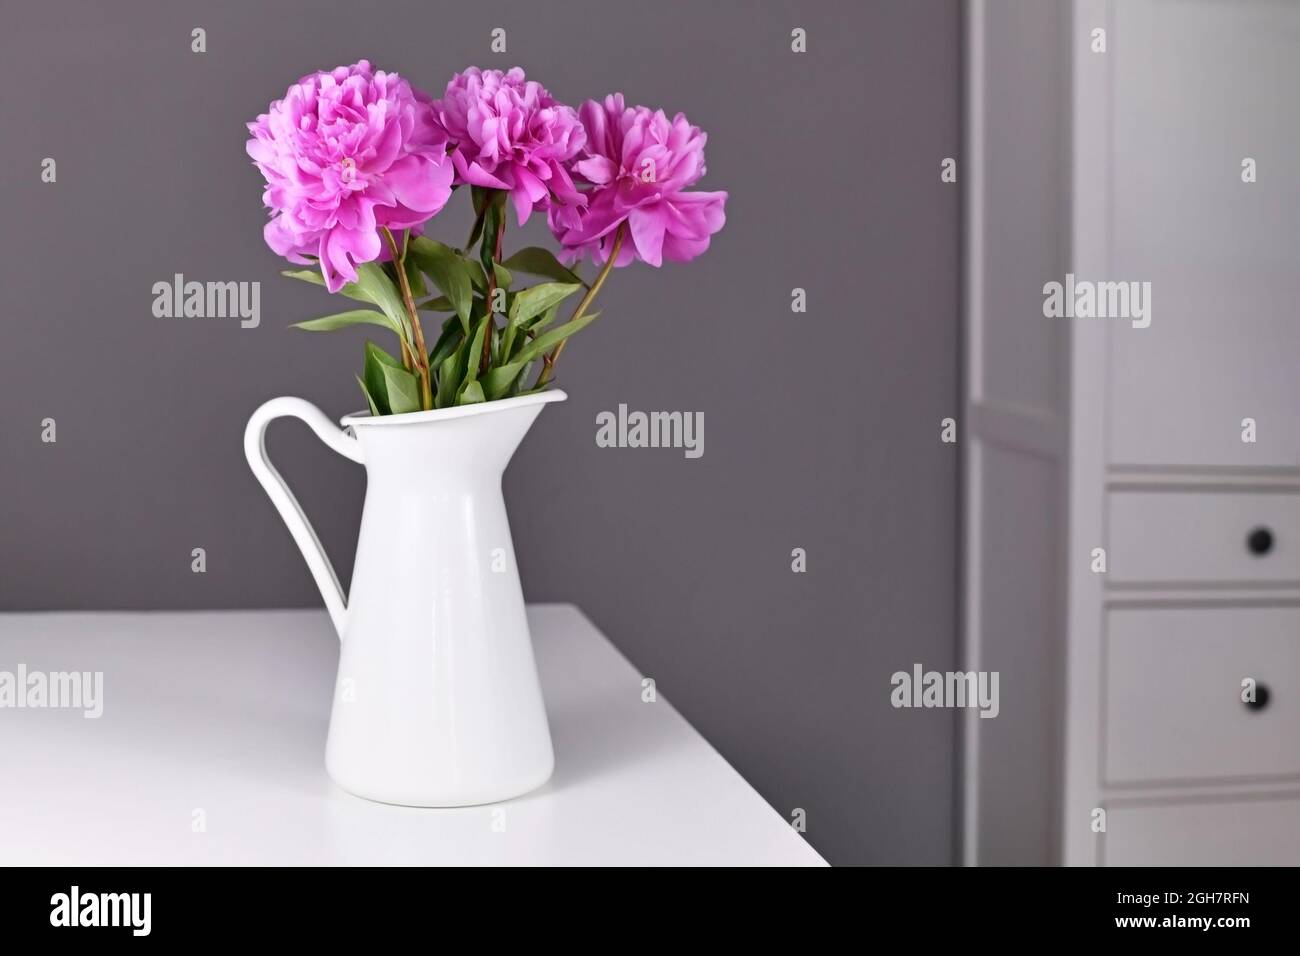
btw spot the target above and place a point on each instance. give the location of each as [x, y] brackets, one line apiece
[437, 702]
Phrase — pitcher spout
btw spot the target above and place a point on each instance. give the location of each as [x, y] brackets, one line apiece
[460, 442]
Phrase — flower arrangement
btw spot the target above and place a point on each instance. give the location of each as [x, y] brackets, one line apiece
[357, 162]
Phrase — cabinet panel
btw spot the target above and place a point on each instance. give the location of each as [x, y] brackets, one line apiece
[1244, 832]
[1201, 536]
[1198, 89]
[1173, 709]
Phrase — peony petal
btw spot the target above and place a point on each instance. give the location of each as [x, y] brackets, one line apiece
[473, 174]
[523, 203]
[647, 225]
[707, 207]
[597, 170]
[420, 183]
[341, 250]
[362, 245]
[688, 219]
[626, 252]
[600, 219]
[281, 240]
[679, 249]
[387, 149]
[261, 152]
[329, 266]
[532, 185]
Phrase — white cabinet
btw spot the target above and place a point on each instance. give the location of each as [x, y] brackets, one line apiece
[1202, 536]
[1242, 831]
[1174, 684]
[1132, 495]
[1196, 90]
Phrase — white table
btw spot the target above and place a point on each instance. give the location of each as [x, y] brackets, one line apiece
[220, 718]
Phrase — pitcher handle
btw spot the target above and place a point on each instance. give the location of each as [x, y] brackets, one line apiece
[287, 505]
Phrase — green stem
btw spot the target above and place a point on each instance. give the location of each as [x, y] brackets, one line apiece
[421, 352]
[548, 361]
[498, 221]
[474, 230]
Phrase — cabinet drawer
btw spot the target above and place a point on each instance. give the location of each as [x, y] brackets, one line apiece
[1251, 831]
[1162, 537]
[1173, 692]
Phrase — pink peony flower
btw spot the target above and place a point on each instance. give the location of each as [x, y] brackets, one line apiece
[509, 133]
[344, 153]
[640, 166]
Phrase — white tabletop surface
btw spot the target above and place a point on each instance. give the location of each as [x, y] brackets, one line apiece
[220, 718]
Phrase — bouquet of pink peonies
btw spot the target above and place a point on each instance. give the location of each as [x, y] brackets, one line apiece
[357, 162]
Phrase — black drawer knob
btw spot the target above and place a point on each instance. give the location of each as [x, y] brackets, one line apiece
[1260, 541]
[1262, 696]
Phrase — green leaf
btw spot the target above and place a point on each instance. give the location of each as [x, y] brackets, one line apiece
[306, 275]
[471, 393]
[403, 389]
[514, 337]
[373, 378]
[375, 353]
[447, 342]
[544, 343]
[476, 348]
[380, 290]
[415, 279]
[437, 304]
[536, 300]
[374, 409]
[542, 321]
[531, 329]
[497, 381]
[313, 276]
[393, 389]
[341, 320]
[450, 371]
[537, 261]
[476, 274]
[449, 272]
[503, 276]
[527, 305]
[519, 382]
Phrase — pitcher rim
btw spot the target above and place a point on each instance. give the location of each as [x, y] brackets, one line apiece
[458, 411]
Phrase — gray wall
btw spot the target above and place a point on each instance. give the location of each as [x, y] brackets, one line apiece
[821, 429]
